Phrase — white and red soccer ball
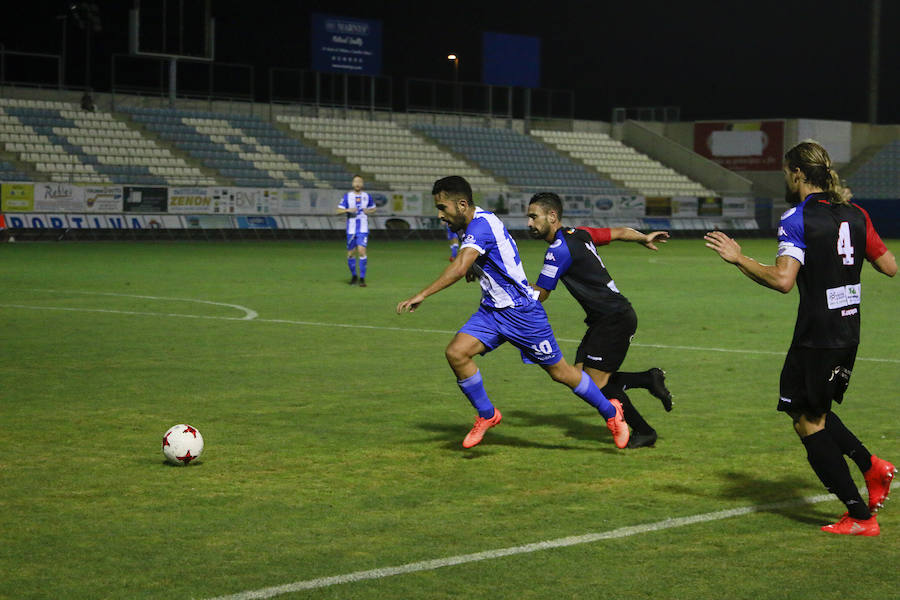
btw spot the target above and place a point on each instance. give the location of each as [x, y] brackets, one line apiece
[182, 444]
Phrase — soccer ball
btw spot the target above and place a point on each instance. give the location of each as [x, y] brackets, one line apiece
[181, 444]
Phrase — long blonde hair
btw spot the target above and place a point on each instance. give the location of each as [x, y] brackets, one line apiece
[813, 161]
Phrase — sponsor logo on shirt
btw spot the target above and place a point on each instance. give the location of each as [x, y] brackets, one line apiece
[550, 257]
[844, 295]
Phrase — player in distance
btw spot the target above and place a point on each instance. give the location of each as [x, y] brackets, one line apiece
[822, 241]
[572, 258]
[357, 205]
[509, 312]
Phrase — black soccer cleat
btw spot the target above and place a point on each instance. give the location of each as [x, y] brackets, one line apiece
[353, 280]
[658, 388]
[640, 440]
[362, 282]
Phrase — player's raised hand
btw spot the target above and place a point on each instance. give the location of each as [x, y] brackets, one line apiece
[653, 237]
[728, 249]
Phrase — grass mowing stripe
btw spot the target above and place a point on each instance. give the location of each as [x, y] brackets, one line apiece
[377, 327]
[431, 565]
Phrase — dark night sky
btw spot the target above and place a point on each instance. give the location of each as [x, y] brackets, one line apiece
[761, 59]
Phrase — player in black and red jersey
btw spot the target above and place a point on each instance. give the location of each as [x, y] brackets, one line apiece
[612, 322]
[821, 243]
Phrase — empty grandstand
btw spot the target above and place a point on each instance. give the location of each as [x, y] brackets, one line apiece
[522, 161]
[243, 149]
[394, 157]
[622, 163]
[879, 177]
[63, 143]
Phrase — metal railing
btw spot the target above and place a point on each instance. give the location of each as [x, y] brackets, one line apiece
[34, 68]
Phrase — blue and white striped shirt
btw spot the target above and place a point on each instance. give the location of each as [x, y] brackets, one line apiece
[358, 223]
[499, 268]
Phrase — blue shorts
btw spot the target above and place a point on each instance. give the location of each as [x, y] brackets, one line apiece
[451, 235]
[525, 328]
[357, 239]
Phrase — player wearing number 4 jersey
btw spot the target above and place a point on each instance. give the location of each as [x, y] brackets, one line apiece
[821, 245]
[509, 312]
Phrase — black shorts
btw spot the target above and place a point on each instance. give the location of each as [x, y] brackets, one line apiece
[606, 341]
[814, 377]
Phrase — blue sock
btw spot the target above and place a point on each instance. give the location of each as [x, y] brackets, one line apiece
[363, 261]
[588, 391]
[473, 388]
[351, 262]
[453, 250]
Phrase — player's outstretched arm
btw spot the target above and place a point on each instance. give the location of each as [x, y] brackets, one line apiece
[455, 271]
[602, 236]
[781, 276]
[648, 240]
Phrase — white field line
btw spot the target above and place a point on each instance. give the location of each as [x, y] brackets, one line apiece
[250, 315]
[431, 565]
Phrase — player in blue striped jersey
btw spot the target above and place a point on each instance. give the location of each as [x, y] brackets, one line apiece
[509, 311]
[357, 205]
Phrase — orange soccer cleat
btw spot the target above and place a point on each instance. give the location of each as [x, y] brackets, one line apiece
[878, 482]
[481, 426]
[617, 425]
[850, 526]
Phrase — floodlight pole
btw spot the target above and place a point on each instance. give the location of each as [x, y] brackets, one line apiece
[173, 80]
[874, 59]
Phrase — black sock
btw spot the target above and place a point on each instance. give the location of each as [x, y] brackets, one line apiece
[631, 380]
[631, 414]
[827, 461]
[847, 442]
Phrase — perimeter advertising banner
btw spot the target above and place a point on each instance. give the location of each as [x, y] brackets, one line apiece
[145, 199]
[246, 201]
[91, 221]
[192, 200]
[103, 198]
[51, 205]
[58, 197]
[17, 197]
[741, 145]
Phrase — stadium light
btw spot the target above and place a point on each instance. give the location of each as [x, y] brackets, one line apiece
[456, 95]
[455, 60]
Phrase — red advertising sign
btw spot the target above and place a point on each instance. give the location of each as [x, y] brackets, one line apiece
[741, 145]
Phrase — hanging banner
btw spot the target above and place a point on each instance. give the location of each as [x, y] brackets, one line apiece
[741, 145]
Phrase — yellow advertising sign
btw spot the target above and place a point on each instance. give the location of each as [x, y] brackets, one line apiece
[17, 197]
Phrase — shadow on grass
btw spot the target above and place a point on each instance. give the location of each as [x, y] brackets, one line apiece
[572, 427]
[765, 493]
[787, 489]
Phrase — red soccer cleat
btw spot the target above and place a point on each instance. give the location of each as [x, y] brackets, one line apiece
[481, 426]
[617, 425]
[878, 482]
[850, 526]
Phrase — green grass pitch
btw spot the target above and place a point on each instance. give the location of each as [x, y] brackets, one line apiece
[333, 432]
